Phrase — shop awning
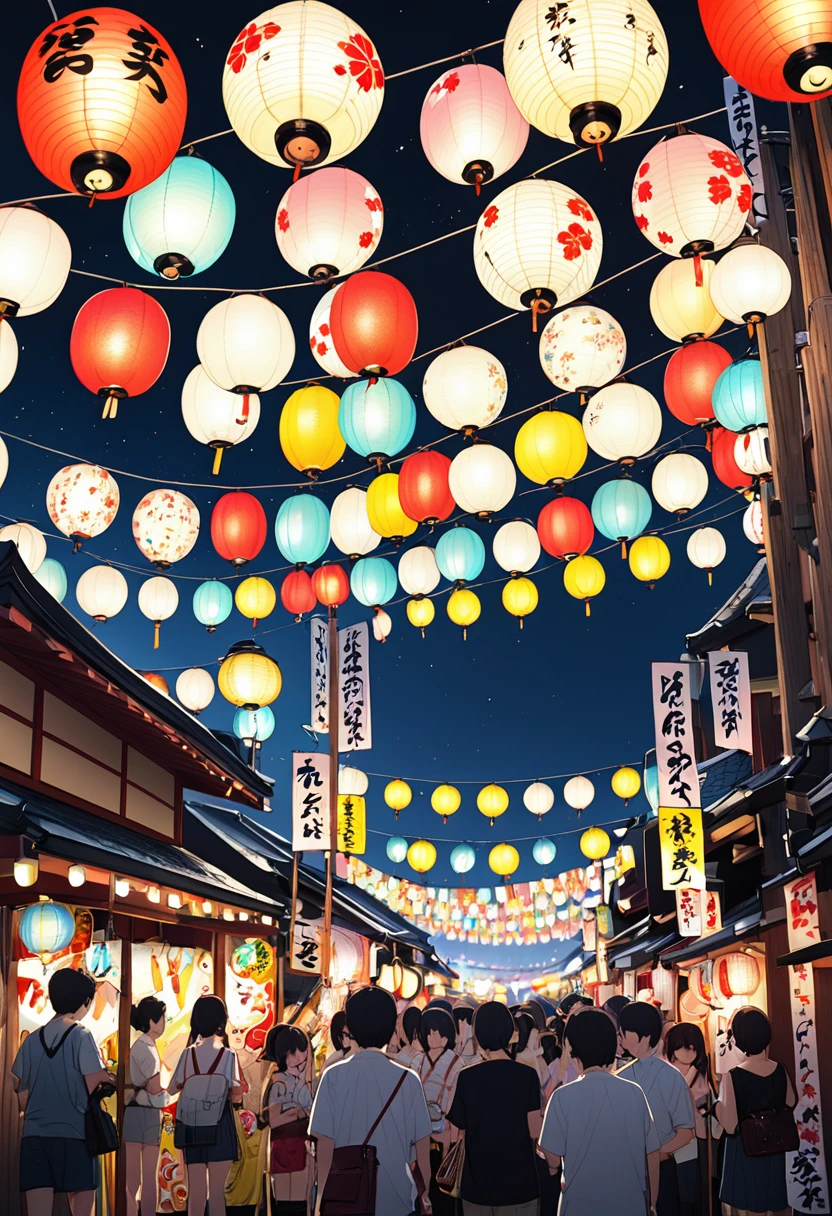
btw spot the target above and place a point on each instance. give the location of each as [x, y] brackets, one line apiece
[759, 791]
[732, 619]
[819, 954]
[720, 775]
[644, 946]
[745, 920]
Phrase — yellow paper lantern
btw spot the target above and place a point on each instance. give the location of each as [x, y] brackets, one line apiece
[421, 856]
[309, 434]
[384, 509]
[248, 677]
[504, 860]
[649, 559]
[492, 801]
[626, 783]
[595, 843]
[397, 795]
[420, 612]
[255, 598]
[464, 608]
[682, 309]
[550, 447]
[446, 800]
[584, 578]
[520, 597]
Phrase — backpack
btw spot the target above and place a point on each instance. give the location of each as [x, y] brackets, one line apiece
[204, 1094]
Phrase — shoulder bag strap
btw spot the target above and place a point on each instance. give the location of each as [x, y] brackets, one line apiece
[385, 1108]
[220, 1055]
[444, 1086]
[51, 1052]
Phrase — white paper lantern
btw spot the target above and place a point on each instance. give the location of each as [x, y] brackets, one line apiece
[516, 547]
[35, 258]
[195, 689]
[538, 798]
[682, 309]
[8, 355]
[382, 625]
[101, 592]
[750, 283]
[752, 524]
[680, 482]
[751, 452]
[29, 541]
[352, 781]
[82, 501]
[302, 84]
[158, 600]
[320, 339]
[214, 416]
[587, 72]
[165, 526]
[622, 422]
[465, 388]
[349, 524]
[538, 244]
[471, 130]
[4, 460]
[418, 571]
[582, 348]
[482, 479]
[246, 344]
[706, 549]
[329, 223]
[578, 793]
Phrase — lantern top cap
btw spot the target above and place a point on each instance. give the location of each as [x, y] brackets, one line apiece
[247, 646]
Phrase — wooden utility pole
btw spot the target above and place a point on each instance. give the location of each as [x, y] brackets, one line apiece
[332, 695]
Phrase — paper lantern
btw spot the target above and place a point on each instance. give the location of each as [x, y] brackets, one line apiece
[320, 338]
[373, 581]
[195, 689]
[736, 975]
[446, 800]
[178, 225]
[47, 928]
[248, 677]
[352, 781]
[723, 460]
[374, 324]
[544, 852]
[550, 448]
[584, 578]
[538, 798]
[621, 509]
[302, 86]
[165, 526]
[301, 529]
[52, 575]
[214, 416]
[82, 501]
[752, 524]
[516, 547]
[751, 283]
[418, 572]
[8, 367]
[538, 244]
[463, 859]
[622, 422]
[396, 849]
[649, 559]
[626, 783]
[492, 801]
[595, 843]
[689, 380]
[680, 305]
[119, 344]
[460, 554]
[578, 793]
[158, 600]
[255, 598]
[331, 585]
[706, 549]
[582, 348]
[384, 509]
[161, 685]
[463, 609]
[35, 259]
[382, 625]
[739, 398]
[465, 388]
[238, 527]
[254, 725]
[421, 856]
[504, 860]
[520, 598]
[212, 604]
[101, 592]
[246, 345]
[29, 542]
[397, 795]
[782, 51]
[751, 452]
[424, 492]
[377, 419]
[679, 483]
[420, 613]
[349, 524]
[101, 102]
[565, 527]
[482, 480]
[329, 223]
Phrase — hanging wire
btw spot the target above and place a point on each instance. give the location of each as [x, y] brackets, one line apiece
[580, 772]
[610, 823]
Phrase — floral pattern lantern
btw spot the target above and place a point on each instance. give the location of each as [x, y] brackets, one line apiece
[622, 422]
[35, 259]
[706, 549]
[374, 324]
[418, 572]
[119, 344]
[689, 380]
[482, 480]
[424, 491]
[329, 223]
[238, 527]
[320, 339]
[377, 419]
[581, 349]
[82, 501]
[309, 434]
[621, 509]
[214, 416]
[465, 388]
[350, 525]
[165, 526]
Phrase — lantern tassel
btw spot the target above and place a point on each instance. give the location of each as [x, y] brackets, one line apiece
[296, 174]
[521, 622]
[217, 461]
[465, 634]
[710, 578]
[156, 631]
[697, 270]
[599, 148]
[243, 419]
[709, 441]
[254, 623]
[588, 609]
[623, 550]
[423, 632]
[110, 407]
[751, 327]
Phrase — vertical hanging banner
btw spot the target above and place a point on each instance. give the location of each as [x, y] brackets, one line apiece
[689, 912]
[355, 729]
[310, 802]
[742, 123]
[352, 824]
[731, 699]
[806, 1179]
[590, 933]
[682, 840]
[675, 753]
[305, 939]
[319, 713]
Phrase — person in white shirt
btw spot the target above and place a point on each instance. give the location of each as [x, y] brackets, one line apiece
[439, 1067]
[144, 1098]
[408, 1037]
[466, 1048]
[341, 1039]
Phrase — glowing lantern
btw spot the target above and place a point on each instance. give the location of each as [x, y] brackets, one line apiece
[51, 575]
[119, 344]
[582, 348]
[46, 928]
[329, 223]
[161, 685]
[679, 483]
[101, 102]
[752, 524]
[538, 244]
[214, 416]
[418, 571]
[482, 479]
[302, 86]
[446, 800]
[382, 625]
[565, 527]
[8, 367]
[320, 338]
[751, 452]
[544, 852]
[82, 501]
[158, 600]
[550, 447]
[374, 324]
[212, 604]
[254, 726]
[622, 422]
[255, 598]
[463, 859]
[297, 594]
[463, 609]
[626, 783]
[723, 460]
[516, 547]
[35, 258]
[460, 554]
[246, 345]
[737, 975]
[195, 689]
[681, 306]
[584, 578]
[301, 529]
[689, 380]
[621, 509]
[397, 795]
[465, 388]
[595, 843]
[421, 856]
[396, 849]
[423, 487]
[739, 398]
[504, 860]
[373, 581]
[331, 585]
[384, 509]
[101, 592]
[649, 559]
[492, 801]
[706, 549]
[751, 283]
[377, 419]
[165, 527]
[520, 598]
[349, 523]
[352, 781]
[538, 798]
[309, 434]
[29, 542]
[179, 224]
[238, 527]
[248, 677]
[420, 613]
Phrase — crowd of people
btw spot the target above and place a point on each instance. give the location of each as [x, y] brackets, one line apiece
[454, 1109]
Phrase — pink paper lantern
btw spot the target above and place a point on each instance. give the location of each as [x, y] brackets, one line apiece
[329, 223]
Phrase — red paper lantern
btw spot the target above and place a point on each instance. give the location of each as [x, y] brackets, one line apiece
[238, 527]
[724, 463]
[689, 379]
[156, 680]
[374, 324]
[119, 344]
[424, 492]
[331, 585]
[565, 527]
[297, 594]
[101, 102]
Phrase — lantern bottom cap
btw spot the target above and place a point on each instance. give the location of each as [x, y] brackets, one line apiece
[99, 172]
[539, 295]
[173, 266]
[694, 249]
[594, 123]
[809, 70]
[322, 272]
[9, 308]
[302, 142]
[476, 172]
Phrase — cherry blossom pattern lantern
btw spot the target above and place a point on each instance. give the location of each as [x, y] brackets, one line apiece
[397, 795]
[424, 491]
[320, 338]
[213, 415]
[565, 527]
[255, 598]
[249, 678]
[119, 344]
[516, 547]
[301, 529]
[492, 801]
[550, 448]
[52, 575]
[35, 259]
[246, 345]
[165, 526]
[417, 571]
[706, 549]
[584, 578]
[723, 444]
[82, 501]
[8, 358]
[195, 689]
[520, 597]
[587, 74]
[238, 527]
[29, 542]
[331, 585]
[101, 102]
[465, 388]
[739, 398]
[621, 509]
[538, 244]
[349, 523]
[471, 130]
[377, 418]
[752, 524]
[482, 480]
[751, 452]
[309, 434]
[463, 608]
[101, 592]
[373, 581]
[689, 380]
[750, 283]
[622, 422]
[420, 613]
[297, 595]
[329, 223]
[384, 509]
[581, 349]
[679, 483]
[212, 603]
[538, 798]
[158, 600]
[578, 793]
[649, 559]
[374, 324]
[302, 85]
[680, 305]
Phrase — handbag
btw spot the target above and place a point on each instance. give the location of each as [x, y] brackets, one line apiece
[100, 1131]
[449, 1174]
[350, 1188]
[766, 1133]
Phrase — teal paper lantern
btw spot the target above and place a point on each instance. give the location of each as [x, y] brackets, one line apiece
[373, 581]
[377, 419]
[302, 529]
[51, 575]
[463, 858]
[213, 602]
[460, 554]
[46, 928]
[181, 223]
[254, 725]
[396, 849]
[544, 852]
[739, 399]
[621, 509]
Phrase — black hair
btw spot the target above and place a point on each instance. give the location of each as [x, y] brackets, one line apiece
[751, 1030]
[371, 1017]
[687, 1035]
[463, 1013]
[439, 1003]
[281, 1041]
[550, 1046]
[149, 1009]
[209, 1016]
[614, 1006]
[571, 1000]
[535, 1012]
[411, 1020]
[336, 1029]
[591, 1036]
[70, 989]
[493, 1026]
[437, 1019]
[525, 1025]
[643, 1019]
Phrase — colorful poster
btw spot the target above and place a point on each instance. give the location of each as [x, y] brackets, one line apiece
[306, 937]
[603, 919]
[688, 912]
[682, 840]
[319, 718]
[352, 824]
[675, 752]
[742, 123]
[355, 728]
[310, 802]
[731, 699]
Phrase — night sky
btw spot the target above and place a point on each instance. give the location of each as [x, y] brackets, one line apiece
[566, 694]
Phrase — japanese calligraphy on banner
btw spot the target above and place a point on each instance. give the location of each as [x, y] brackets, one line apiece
[698, 913]
[319, 718]
[310, 802]
[355, 730]
[305, 938]
[806, 1179]
[352, 824]
[675, 753]
[731, 699]
[603, 919]
[682, 841]
[742, 123]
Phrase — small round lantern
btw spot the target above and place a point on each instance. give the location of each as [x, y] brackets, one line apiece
[320, 338]
[352, 781]
[329, 223]
[751, 452]
[706, 549]
[736, 975]
[482, 480]
[504, 860]
[254, 726]
[417, 571]
[101, 592]
[158, 600]
[463, 609]
[158, 682]
[377, 419]
[214, 416]
[622, 422]
[460, 554]
[750, 283]
[35, 259]
[420, 613]
[195, 689]
[384, 509]
[739, 398]
[255, 598]
[446, 800]
[396, 849]
[595, 844]
[248, 677]
[584, 578]
[649, 559]
[374, 324]
[52, 575]
[246, 345]
[421, 856]
[680, 305]
[119, 344]
[46, 928]
[29, 542]
[82, 501]
[424, 491]
[723, 444]
[331, 585]
[238, 527]
[550, 448]
[297, 595]
[349, 523]
[465, 388]
[581, 349]
[309, 434]
[516, 547]
[301, 529]
[397, 795]
[212, 603]
[578, 793]
[463, 859]
[565, 527]
[679, 483]
[520, 598]
[626, 783]
[621, 509]
[492, 801]
[373, 581]
[689, 380]
[538, 798]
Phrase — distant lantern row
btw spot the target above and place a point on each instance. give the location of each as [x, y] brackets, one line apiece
[503, 859]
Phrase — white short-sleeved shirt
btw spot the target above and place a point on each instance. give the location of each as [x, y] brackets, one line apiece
[667, 1092]
[57, 1100]
[287, 1090]
[601, 1126]
[350, 1096]
[144, 1064]
[227, 1067]
[408, 1055]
